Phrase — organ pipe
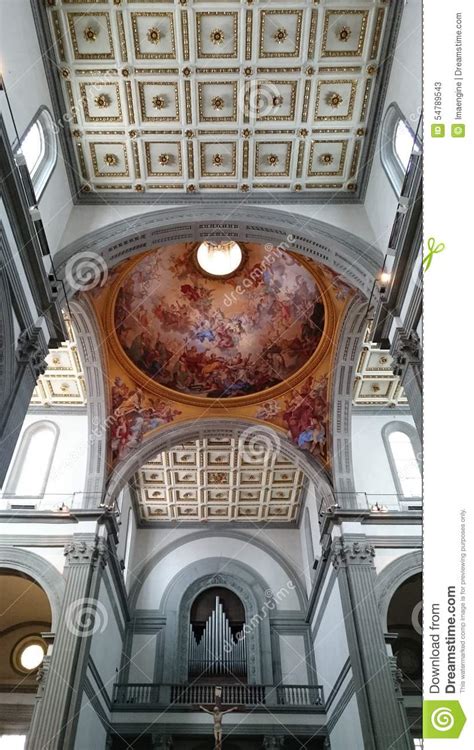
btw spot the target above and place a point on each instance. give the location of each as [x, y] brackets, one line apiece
[218, 651]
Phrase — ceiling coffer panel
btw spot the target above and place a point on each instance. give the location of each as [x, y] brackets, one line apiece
[200, 482]
[158, 95]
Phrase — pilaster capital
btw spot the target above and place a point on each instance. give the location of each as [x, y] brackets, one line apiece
[352, 553]
[29, 351]
[82, 551]
[405, 350]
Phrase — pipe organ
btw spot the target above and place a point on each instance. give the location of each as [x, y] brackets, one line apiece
[218, 651]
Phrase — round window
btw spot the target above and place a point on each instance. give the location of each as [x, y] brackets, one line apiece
[28, 654]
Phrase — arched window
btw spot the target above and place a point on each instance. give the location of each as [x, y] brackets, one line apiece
[40, 150]
[397, 143]
[403, 450]
[30, 471]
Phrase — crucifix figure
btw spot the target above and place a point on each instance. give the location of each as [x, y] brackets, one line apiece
[217, 713]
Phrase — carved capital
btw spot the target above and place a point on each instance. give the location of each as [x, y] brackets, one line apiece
[406, 350]
[353, 553]
[29, 351]
[87, 552]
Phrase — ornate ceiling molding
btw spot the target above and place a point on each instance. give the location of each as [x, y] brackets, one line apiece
[133, 83]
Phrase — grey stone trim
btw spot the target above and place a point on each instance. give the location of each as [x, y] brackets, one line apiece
[392, 576]
[93, 363]
[320, 604]
[151, 563]
[101, 689]
[15, 718]
[345, 253]
[34, 540]
[7, 337]
[362, 410]
[324, 569]
[341, 706]
[114, 592]
[96, 704]
[41, 571]
[353, 559]
[338, 683]
[396, 542]
[177, 602]
[249, 728]
[350, 345]
[57, 410]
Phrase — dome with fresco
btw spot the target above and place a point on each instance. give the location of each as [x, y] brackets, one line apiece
[218, 326]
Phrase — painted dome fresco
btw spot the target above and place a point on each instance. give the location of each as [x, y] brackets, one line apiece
[219, 337]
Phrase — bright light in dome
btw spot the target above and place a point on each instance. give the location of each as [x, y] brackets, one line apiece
[219, 259]
[31, 656]
[12, 741]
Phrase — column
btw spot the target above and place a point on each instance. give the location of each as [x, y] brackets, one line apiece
[382, 725]
[30, 365]
[55, 717]
[406, 353]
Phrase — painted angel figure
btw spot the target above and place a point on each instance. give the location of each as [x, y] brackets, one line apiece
[217, 715]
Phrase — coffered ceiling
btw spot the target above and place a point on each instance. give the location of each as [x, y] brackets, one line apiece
[219, 479]
[197, 97]
[375, 383]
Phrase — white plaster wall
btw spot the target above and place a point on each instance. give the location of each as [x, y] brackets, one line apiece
[84, 219]
[25, 80]
[312, 508]
[220, 547]
[91, 734]
[348, 733]
[294, 669]
[384, 557]
[67, 476]
[142, 659]
[405, 89]
[372, 473]
[331, 649]
[106, 643]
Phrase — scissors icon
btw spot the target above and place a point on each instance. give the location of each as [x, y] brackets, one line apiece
[433, 249]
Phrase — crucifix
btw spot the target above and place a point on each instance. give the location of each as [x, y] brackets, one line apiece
[217, 713]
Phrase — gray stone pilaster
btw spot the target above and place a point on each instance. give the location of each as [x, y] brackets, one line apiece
[30, 365]
[407, 364]
[379, 709]
[55, 717]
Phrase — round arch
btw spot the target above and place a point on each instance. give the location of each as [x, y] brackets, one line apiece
[344, 252]
[147, 567]
[41, 571]
[218, 427]
[392, 576]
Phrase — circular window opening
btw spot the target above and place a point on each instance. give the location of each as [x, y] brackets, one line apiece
[28, 654]
[219, 259]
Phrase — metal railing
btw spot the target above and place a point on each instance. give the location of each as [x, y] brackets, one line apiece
[377, 502]
[151, 694]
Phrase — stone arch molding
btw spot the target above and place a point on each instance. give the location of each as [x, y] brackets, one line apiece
[41, 571]
[345, 253]
[392, 576]
[247, 585]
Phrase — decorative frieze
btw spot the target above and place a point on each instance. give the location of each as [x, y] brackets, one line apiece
[359, 553]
